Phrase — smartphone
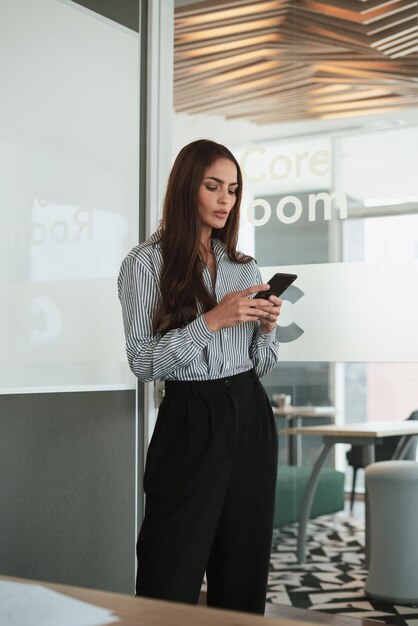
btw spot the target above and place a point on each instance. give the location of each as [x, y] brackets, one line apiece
[278, 284]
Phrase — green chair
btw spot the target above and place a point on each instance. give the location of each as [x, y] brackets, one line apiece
[290, 487]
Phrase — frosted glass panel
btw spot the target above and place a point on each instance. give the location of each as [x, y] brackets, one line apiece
[69, 194]
[350, 312]
[381, 168]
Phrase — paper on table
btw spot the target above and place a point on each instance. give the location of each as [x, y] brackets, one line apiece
[24, 604]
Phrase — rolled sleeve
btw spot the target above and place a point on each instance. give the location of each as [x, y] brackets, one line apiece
[199, 331]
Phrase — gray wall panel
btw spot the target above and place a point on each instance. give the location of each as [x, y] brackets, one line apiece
[67, 488]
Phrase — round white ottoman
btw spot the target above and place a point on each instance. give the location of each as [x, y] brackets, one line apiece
[392, 492]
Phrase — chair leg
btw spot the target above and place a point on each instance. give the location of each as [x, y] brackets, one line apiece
[353, 489]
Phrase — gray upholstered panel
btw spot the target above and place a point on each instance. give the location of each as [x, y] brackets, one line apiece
[67, 488]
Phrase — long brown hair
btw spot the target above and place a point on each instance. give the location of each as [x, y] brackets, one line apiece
[181, 282]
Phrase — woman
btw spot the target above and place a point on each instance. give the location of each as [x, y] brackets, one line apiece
[191, 319]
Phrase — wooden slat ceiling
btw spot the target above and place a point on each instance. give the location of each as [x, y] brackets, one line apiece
[279, 60]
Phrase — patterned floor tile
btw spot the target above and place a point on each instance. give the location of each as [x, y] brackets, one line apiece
[333, 578]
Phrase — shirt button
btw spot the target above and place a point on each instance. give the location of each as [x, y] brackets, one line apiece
[227, 382]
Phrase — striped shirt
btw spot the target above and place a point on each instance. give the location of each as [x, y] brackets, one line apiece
[193, 352]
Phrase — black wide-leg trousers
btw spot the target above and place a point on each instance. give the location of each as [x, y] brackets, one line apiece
[210, 481]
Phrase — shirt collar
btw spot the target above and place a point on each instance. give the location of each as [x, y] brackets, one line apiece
[154, 238]
[219, 248]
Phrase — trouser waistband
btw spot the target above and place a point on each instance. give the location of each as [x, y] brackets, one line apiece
[216, 385]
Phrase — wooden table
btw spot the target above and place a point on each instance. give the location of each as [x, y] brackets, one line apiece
[135, 611]
[294, 416]
[366, 434]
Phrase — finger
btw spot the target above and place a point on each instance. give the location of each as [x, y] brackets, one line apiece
[271, 315]
[275, 300]
[259, 313]
[274, 310]
[255, 289]
[271, 320]
[264, 306]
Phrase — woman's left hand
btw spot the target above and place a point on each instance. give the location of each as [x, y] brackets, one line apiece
[268, 322]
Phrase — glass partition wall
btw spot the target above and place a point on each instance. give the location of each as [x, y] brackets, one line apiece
[320, 105]
[69, 196]
[70, 411]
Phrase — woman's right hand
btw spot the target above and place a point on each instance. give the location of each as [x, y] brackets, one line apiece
[237, 307]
